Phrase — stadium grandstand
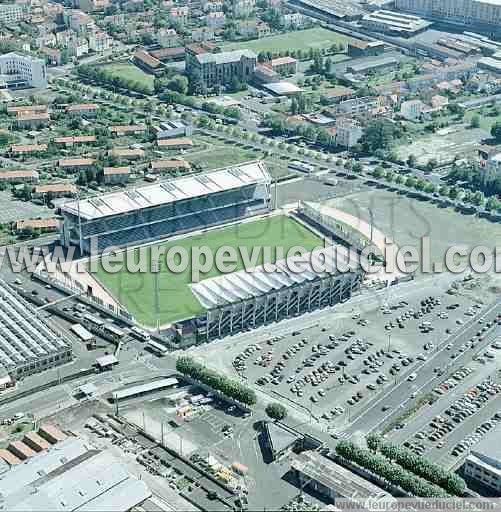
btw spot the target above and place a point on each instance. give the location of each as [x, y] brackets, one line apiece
[171, 207]
[27, 344]
[245, 300]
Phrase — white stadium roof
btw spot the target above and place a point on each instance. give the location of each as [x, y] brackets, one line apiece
[230, 288]
[168, 191]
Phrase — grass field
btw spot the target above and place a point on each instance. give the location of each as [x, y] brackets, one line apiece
[130, 72]
[136, 291]
[301, 40]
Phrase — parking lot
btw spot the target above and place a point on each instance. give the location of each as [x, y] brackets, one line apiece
[333, 371]
[466, 407]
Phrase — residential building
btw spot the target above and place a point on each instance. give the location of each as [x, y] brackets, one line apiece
[26, 109]
[265, 75]
[358, 48]
[483, 14]
[26, 149]
[128, 129]
[22, 71]
[32, 120]
[50, 225]
[78, 47]
[202, 34]
[114, 175]
[253, 29]
[412, 109]
[99, 41]
[159, 166]
[54, 55]
[294, 20]
[169, 54]
[55, 190]
[176, 143]
[393, 23]
[215, 20]
[337, 94]
[147, 62]
[19, 176]
[284, 65]
[492, 167]
[167, 38]
[92, 5]
[12, 13]
[359, 106]
[126, 153]
[348, 132]
[76, 164]
[222, 68]
[483, 464]
[215, 6]
[78, 139]
[243, 8]
[82, 110]
[173, 128]
[79, 21]
[179, 14]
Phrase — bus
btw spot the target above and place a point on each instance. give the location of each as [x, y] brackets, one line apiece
[301, 166]
[157, 348]
[113, 333]
[83, 334]
[140, 334]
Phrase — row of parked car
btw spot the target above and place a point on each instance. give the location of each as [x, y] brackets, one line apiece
[453, 380]
[475, 437]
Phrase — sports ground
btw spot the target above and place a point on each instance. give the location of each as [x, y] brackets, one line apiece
[136, 291]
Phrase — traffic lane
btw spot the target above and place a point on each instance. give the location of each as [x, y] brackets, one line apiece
[426, 378]
[426, 414]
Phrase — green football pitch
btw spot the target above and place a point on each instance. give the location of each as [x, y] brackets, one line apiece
[136, 290]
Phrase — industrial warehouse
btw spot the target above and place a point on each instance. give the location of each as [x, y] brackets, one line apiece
[27, 344]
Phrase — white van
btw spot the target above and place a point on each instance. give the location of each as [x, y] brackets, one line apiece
[412, 377]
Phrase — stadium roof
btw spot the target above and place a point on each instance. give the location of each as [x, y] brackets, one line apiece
[251, 283]
[145, 388]
[168, 191]
[24, 336]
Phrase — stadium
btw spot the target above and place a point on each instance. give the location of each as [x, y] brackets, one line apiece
[228, 207]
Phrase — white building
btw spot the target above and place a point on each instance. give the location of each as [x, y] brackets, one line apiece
[78, 46]
[412, 109]
[215, 20]
[167, 38]
[483, 465]
[22, 71]
[294, 20]
[348, 132]
[10, 13]
[99, 42]
[243, 8]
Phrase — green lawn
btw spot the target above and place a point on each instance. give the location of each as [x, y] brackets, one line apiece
[176, 301]
[216, 157]
[487, 117]
[300, 40]
[130, 72]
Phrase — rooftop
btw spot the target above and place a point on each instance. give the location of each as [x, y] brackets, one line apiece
[144, 388]
[283, 88]
[24, 335]
[169, 191]
[333, 476]
[225, 57]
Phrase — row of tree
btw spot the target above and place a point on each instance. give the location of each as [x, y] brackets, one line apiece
[420, 466]
[228, 387]
[391, 472]
[101, 75]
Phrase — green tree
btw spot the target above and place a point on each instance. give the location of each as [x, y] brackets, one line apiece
[276, 411]
[475, 121]
[496, 131]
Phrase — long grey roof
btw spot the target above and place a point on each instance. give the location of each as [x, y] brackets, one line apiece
[24, 335]
[170, 191]
[251, 283]
[225, 57]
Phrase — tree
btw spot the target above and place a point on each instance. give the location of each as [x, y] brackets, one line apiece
[475, 121]
[496, 131]
[276, 411]
[379, 134]
[179, 84]
[411, 160]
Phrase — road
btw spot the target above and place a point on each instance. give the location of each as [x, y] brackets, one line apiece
[399, 397]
